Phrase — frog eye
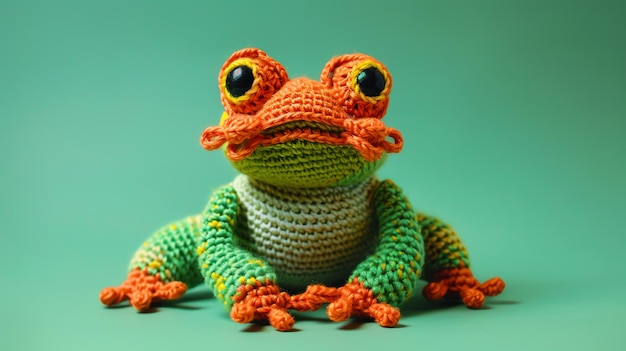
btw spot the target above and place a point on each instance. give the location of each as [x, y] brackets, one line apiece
[248, 79]
[369, 81]
[240, 80]
[360, 83]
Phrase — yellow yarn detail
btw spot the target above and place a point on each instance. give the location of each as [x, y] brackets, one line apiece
[360, 67]
[257, 262]
[219, 282]
[202, 248]
[223, 118]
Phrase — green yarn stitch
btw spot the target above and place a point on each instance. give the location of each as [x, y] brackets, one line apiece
[444, 248]
[225, 266]
[301, 163]
[395, 267]
[171, 252]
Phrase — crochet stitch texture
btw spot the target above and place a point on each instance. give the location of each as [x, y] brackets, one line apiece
[307, 235]
[307, 223]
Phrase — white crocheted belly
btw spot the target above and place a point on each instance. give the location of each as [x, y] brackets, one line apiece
[307, 235]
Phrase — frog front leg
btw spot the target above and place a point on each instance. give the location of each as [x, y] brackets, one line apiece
[385, 279]
[162, 268]
[447, 266]
[244, 283]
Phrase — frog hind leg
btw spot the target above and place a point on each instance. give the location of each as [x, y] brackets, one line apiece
[162, 268]
[447, 266]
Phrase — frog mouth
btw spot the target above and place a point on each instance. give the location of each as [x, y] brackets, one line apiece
[244, 134]
[301, 130]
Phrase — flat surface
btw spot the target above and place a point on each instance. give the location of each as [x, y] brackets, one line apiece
[513, 114]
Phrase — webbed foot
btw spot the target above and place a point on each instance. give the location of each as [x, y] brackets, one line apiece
[142, 289]
[460, 282]
[352, 299]
[262, 302]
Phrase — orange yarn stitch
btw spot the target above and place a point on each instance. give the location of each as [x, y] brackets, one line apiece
[262, 301]
[266, 301]
[245, 133]
[370, 146]
[141, 289]
[352, 299]
[274, 101]
[358, 300]
[313, 298]
[271, 77]
[337, 75]
[461, 282]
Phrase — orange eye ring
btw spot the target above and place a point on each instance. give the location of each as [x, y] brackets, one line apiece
[360, 82]
[248, 79]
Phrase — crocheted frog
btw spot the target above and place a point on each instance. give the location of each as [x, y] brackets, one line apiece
[306, 223]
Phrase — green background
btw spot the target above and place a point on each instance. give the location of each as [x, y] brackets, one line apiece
[513, 114]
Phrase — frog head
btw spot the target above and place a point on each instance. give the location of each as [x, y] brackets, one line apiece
[301, 132]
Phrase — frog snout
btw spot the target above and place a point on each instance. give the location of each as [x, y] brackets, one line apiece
[303, 99]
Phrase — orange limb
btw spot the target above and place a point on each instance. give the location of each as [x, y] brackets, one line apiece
[460, 282]
[142, 289]
[313, 298]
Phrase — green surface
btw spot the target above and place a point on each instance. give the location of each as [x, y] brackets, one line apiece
[513, 112]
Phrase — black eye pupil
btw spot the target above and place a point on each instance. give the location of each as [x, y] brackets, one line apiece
[239, 80]
[371, 81]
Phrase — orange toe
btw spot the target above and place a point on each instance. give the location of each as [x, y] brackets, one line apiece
[280, 319]
[141, 300]
[171, 291]
[493, 286]
[242, 312]
[339, 310]
[385, 315]
[472, 298]
[435, 291]
[111, 296]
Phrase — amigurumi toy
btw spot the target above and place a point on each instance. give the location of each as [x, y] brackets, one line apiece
[306, 223]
